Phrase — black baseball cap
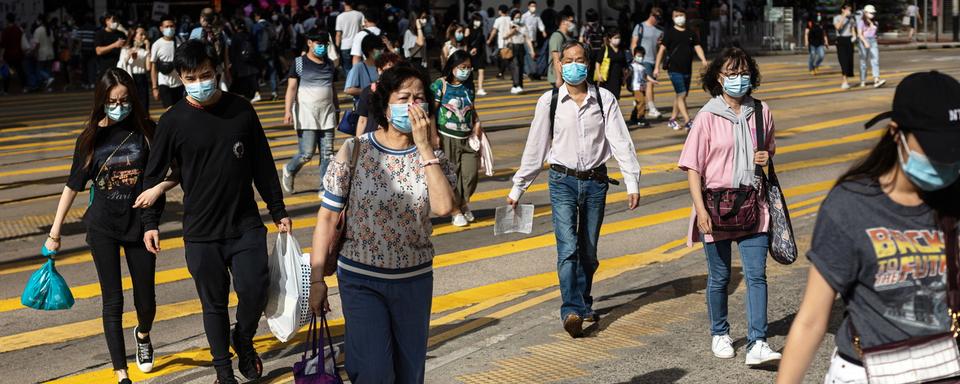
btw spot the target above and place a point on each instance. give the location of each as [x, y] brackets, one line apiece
[927, 104]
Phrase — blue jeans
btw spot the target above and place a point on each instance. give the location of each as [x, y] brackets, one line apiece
[872, 55]
[271, 72]
[309, 140]
[577, 216]
[753, 257]
[386, 327]
[816, 56]
[346, 61]
[680, 81]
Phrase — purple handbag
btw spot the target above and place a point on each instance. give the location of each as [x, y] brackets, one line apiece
[312, 370]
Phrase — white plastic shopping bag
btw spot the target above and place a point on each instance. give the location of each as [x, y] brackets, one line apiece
[288, 306]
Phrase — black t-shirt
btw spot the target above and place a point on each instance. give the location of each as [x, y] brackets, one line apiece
[815, 35]
[887, 261]
[222, 152]
[679, 48]
[363, 109]
[117, 180]
[104, 38]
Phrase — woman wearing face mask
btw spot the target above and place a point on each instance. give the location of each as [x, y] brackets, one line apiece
[896, 207]
[457, 121]
[385, 264]
[610, 69]
[476, 43]
[415, 43]
[456, 41]
[111, 152]
[133, 59]
[721, 152]
[867, 27]
[311, 105]
[366, 122]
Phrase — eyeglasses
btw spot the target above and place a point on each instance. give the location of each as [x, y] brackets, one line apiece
[734, 74]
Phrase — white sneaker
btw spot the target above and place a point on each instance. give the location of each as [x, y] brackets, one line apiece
[468, 215]
[256, 98]
[481, 92]
[652, 112]
[459, 221]
[863, 84]
[516, 90]
[877, 83]
[286, 181]
[761, 354]
[722, 347]
[845, 86]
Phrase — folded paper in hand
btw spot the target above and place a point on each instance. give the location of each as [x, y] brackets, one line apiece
[510, 220]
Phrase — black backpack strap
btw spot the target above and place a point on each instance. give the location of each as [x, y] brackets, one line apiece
[600, 103]
[554, 95]
[761, 140]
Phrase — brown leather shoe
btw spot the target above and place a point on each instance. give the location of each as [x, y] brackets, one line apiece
[573, 324]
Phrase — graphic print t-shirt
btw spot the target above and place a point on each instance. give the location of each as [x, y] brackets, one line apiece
[116, 181]
[886, 260]
[455, 115]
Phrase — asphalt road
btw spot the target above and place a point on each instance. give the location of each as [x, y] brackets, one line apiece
[496, 304]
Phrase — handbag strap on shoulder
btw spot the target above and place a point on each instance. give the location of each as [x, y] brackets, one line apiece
[948, 224]
[354, 158]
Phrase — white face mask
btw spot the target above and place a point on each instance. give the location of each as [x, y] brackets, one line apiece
[477, 23]
[680, 20]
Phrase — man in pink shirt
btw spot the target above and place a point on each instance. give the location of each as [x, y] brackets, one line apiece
[577, 137]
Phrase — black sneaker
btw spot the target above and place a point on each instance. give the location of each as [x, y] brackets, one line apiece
[144, 352]
[225, 375]
[248, 361]
[125, 381]
[643, 123]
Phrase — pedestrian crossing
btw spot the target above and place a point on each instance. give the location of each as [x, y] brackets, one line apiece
[35, 150]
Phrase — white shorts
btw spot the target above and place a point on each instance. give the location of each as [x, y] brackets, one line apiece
[844, 372]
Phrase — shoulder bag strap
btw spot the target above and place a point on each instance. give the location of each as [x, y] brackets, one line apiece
[948, 224]
[354, 158]
[555, 94]
[761, 139]
[603, 118]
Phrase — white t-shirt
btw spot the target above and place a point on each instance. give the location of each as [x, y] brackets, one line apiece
[349, 23]
[532, 24]
[410, 48]
[357, 49]
[44, 44]
[163, 50]
[503, 25]
[912, 10]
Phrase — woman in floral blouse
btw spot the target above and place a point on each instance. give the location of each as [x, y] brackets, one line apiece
[385, 268]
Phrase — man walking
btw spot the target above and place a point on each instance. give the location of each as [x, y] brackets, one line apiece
[531, 26]
[370, 20]
[221, 149]
[108, 43]
[565, 32]
[648, 35]
[165, 82]
[576, 128]
[265, 37]
[12, 47]
[678, 47]
[348, 24]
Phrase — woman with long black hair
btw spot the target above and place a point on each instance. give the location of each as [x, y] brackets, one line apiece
[111, 152]
[881, 242]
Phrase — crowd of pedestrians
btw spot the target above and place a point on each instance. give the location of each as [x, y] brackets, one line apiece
[424, 138]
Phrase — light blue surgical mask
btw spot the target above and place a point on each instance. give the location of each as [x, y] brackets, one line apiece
[169, 32]
[117, 112]
[574, 73]
[736, 86]
[458, 36]
[400, 116]
[462, 74]
[925, 174]
[320, 50]
[638, 58]
[201, 91]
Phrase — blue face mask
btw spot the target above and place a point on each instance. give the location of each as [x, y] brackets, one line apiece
[458, 36]
[400, 117]
[736, 86]
[320, 50]
[574, 73]
[117, 112]
[924, 174]
[168, 32]
[462, 74]
[201, 91]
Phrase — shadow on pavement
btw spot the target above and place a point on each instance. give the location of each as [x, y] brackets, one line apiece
[660, 376]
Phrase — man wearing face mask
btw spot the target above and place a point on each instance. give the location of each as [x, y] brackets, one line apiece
[222, 152]
[166, 86]
[370, 20]
[109, 42]
[531, 25]
[676, 52]
[576, 128]
[348, 24]
[648, 35]
[566, 32]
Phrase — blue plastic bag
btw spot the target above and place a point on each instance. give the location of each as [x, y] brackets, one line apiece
[47, 290]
